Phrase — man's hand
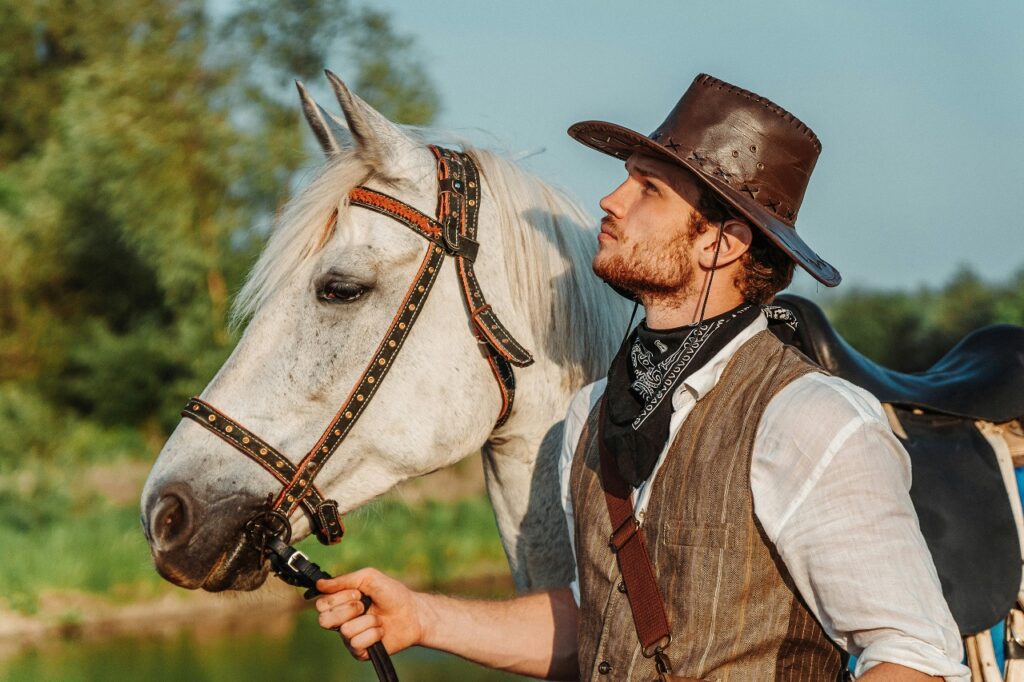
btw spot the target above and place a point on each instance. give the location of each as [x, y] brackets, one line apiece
[395, 617]
[532, 635]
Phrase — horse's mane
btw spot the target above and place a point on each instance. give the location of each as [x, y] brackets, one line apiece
[549, 245]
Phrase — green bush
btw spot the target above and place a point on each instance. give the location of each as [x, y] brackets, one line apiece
[31, 426]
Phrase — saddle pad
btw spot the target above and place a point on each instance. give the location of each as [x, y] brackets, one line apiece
[965, 516]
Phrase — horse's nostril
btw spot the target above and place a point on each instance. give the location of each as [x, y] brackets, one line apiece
[171, 521]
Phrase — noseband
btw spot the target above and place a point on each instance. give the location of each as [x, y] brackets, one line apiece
[454, 234]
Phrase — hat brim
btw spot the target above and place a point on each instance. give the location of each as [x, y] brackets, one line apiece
[621, 142]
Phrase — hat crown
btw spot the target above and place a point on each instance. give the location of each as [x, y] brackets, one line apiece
[744, 140]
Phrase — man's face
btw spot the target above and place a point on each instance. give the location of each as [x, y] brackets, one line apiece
[644, 246]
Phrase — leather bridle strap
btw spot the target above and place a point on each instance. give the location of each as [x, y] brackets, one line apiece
[458, 209]
[326, 520]
[459, 186]
[366, 387]
[452, 233]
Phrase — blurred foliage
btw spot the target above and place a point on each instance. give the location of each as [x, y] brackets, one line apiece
[910, 331]
[143, 143]
[430, 544]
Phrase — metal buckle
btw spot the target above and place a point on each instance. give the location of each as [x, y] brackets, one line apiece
[623, 534]
[658, 649]
[294, 557]
[1011, 631]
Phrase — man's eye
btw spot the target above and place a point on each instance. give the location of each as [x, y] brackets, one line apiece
[649, 187]
[338, 291]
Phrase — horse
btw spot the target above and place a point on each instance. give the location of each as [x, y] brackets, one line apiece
[320, 297]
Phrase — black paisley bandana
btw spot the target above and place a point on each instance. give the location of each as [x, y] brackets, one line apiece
[781, 322]
[644, 375]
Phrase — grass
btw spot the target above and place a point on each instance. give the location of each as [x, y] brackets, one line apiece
[430, 544]
[100, 550]
[52, 539]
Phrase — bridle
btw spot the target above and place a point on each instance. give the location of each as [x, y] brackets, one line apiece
[454, 234]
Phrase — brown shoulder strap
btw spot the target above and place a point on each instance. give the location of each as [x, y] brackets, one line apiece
[629, 545]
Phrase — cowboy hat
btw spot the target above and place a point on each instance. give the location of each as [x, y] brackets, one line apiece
[753, 154]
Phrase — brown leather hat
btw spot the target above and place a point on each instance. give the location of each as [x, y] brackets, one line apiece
[756, 156]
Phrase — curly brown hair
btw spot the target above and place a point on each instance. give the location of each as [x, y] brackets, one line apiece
[766, 270]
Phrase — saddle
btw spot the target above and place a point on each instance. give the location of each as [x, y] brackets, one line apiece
[982, 377]
[958, 489]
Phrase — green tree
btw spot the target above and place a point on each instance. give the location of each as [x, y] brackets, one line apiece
[884, 325]
[1009, 307]
[910, 331]
[143, 145]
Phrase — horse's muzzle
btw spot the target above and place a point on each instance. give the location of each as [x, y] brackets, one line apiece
[197, 544]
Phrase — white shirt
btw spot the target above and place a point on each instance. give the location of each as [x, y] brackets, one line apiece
[831, 486]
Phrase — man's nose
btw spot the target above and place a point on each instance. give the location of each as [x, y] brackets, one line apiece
[615, 203]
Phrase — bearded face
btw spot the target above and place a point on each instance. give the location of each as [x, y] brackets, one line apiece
[646, 260]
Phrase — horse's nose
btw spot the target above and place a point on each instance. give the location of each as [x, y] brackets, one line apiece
[170, 522]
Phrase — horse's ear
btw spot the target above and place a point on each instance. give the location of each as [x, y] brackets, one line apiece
[378, 140]
[332, 134]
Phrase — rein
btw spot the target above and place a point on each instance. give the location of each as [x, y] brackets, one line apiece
[271, 532]
[454, 234]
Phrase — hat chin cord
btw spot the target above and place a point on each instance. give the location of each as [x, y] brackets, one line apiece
[711, 277]
[707, 292]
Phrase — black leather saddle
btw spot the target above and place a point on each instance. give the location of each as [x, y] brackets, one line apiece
[958, 489]
[982, 377]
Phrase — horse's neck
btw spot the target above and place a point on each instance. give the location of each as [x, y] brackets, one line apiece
[521, 468]
[521, 472]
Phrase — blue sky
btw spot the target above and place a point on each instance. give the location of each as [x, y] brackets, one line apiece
[918, 106]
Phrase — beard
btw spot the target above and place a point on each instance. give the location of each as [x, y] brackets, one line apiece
[655, 269]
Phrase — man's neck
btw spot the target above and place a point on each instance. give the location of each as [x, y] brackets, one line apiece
[671, 312]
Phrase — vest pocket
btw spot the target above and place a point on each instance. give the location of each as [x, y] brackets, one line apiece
[713, 535]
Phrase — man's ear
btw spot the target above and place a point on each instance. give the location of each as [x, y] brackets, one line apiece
[736, 238]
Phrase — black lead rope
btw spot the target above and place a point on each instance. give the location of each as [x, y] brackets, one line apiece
[271, 532]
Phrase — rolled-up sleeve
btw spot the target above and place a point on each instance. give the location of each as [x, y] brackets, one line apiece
[831, 486]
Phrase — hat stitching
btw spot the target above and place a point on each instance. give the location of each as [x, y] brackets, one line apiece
[696, 156]
[780, 208]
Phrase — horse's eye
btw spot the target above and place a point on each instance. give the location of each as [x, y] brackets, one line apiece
[339, 291]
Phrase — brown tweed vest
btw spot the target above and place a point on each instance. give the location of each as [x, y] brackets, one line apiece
[734, 612]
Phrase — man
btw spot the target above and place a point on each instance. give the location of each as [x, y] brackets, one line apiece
[772, 500]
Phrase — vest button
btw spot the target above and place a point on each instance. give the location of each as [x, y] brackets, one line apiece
[622, 587]
[604, 667]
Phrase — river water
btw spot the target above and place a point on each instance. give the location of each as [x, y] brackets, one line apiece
[298, 652]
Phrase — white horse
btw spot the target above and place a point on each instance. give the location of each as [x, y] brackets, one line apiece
[300, 355]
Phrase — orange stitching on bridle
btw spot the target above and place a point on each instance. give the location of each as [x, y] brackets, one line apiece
[397, 208]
